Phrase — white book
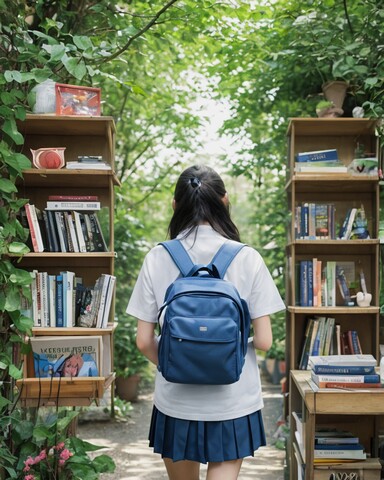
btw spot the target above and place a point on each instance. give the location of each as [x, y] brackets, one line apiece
[62, 205]
[108, 301]
[68, 282]
[52, 299]
[79, 232]
[105, 278]
[35, 314]
[87, 166]
[314, 169]
[44, 293]
[348, 229]
[35, 226]
[72, 232]
[364, 360]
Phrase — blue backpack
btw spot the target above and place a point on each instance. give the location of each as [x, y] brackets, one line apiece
[204, 322]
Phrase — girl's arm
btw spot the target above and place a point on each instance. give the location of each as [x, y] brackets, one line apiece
[262, 333]
[146, 340]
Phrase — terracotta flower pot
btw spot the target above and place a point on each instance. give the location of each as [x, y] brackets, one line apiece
[127, 388]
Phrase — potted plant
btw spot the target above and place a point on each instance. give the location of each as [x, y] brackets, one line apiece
[326, 108]
[130, 364]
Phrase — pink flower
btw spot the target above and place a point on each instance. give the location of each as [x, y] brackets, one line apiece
[65, 454]
[29, 477]
[60, 446]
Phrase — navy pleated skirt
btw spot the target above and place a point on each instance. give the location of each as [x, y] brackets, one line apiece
[204, 442]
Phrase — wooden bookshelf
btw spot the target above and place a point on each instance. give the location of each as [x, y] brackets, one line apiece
[80, 136]
[357, 411]
[344, 191]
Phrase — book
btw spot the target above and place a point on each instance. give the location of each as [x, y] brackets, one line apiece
[79, 231]
[318, 156]
[304, 283]
[61, 231]
[331, 283]
[73, 205]
[108, 301]
[322, 379]
[350, 385]
[104, 285]
[363, 360]
[354, 451]
[87, 166]
[340, 370]
[59, 301]
[346, 229]
[299, 168]
[97, 234]
[331, 437]
[52, 299]
[71, 232]
[53, 231]
[73, 198]
[67, 356]
[34, 228]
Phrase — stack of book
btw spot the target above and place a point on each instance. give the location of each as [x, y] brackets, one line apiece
[319, 161]
[88, 162]
[323, 336]
[344, 371]
[337, 446]
[67, 224]
[64, 301]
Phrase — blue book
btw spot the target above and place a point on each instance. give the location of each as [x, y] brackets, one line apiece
[318, 156]
[59, 301]
[310, 283]
[340, 446]
[304, 221]
[304, 283]
[338, 370]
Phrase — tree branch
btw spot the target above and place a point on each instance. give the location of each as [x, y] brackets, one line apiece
[140, 32]
[347, 16]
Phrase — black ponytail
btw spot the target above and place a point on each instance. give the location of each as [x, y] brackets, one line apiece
[198, 198]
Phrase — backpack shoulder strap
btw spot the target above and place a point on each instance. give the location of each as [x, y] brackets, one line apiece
[224, 256]
[179, 255]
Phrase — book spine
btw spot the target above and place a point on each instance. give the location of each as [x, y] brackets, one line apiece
[310, 282]
[45, 321]
[108, 302]
[303, 283]
[79, 232]
[52, 300]
[61, 231]
[97, 234]
[373, 378]
[73, 198]
[348, 385]
[36, 226]
[336, 370]
[53, 231]
[88, 206]
[59, 302]
[32, 227]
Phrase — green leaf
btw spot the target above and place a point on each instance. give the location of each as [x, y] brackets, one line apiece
[3, 403]
[7, 98]
[10, 128]
[18, 248]
[15, 372]
[56, 52]
[75, 67]
[104, 464]
[13, 76]
[7, 186]
[82, 42]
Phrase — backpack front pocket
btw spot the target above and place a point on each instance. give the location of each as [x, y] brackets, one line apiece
[203, 350]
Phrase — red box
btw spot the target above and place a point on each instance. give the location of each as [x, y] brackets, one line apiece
[77, 100]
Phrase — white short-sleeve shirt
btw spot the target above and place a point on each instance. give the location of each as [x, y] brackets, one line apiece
[250, 275]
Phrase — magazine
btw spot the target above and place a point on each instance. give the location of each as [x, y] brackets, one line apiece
[67, 356]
